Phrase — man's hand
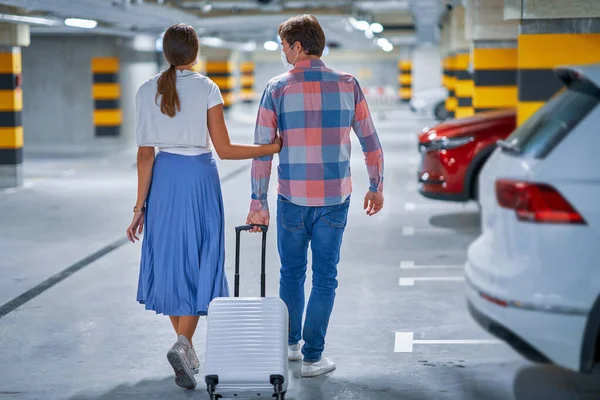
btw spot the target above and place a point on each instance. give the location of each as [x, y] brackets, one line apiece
[258, 218]
[373, 202]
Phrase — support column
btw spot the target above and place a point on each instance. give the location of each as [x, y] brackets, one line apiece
[464, 84]
[405, 76]
[247, 94]
[451, 101]
[545, 44]
[493, 54]
[220, 68]
[495, 75]
[106, 90]
[11, 104]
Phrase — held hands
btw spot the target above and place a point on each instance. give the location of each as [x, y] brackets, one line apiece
[137, 224]
[373, 202]
[258, 218]
[279, 142]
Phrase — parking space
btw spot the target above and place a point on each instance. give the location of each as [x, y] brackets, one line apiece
[400, 327]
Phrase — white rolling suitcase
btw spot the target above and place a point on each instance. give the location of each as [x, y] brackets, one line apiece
[247, 340]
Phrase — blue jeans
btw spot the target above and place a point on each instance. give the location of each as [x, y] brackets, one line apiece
[322, 228]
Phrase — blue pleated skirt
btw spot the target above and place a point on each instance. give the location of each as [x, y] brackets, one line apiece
[183, 248]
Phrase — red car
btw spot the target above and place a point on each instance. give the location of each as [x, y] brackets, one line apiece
[454, 151]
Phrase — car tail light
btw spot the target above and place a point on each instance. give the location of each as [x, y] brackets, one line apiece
[536, 202]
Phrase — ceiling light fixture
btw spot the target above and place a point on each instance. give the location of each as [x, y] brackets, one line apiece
[29, 20]
[376, 27]
[206, 8]
[382, 42]
[363, 25]
[81, 23]
[271, 45]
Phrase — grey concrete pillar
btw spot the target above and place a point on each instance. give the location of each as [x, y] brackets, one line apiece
[221, 65]
[493, 55]
[12, 38]
[551, 33]
[139, 62]
[247, 80]
[426, 66]
[405, 75]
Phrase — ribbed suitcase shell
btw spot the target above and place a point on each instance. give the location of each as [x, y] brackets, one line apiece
[246, 344]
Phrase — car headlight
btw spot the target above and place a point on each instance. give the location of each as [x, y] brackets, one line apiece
[444, 143]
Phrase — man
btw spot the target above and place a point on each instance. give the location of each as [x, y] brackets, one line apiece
[314, 108]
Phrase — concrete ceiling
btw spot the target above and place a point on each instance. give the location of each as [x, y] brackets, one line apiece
[243, 20]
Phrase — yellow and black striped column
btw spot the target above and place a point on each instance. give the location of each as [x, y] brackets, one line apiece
[221, 73]
[247, 94]
[542, 47]
[463, 85]
[405, 80]
[11, 126]
[108, 116]
[495, 75]
[450, 83]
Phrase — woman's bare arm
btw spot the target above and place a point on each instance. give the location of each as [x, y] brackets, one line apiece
[145, 162]
[228, 151]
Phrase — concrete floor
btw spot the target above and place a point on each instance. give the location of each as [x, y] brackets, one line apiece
[86, 338]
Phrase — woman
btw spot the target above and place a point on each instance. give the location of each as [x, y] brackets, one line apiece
[179, 194]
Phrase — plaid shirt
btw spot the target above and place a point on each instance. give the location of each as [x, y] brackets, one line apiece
[314, 108]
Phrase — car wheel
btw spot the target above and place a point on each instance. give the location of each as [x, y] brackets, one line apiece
[440, 111]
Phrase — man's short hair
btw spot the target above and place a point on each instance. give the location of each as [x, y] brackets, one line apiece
[306, 30]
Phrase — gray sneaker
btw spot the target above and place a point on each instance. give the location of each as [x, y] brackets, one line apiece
[194, 360]
[179, 358]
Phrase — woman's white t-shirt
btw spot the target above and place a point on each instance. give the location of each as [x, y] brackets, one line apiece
[187, 132]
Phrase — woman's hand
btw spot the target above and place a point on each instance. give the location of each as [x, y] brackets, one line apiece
[137, 224]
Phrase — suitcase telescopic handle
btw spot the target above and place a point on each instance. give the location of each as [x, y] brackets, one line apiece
[238, 231]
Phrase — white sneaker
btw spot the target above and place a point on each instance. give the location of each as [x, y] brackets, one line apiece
[294, 353]
[179, 359]
[194, 360]
[320, 367]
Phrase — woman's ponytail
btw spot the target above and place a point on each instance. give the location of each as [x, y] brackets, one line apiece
[167, 88]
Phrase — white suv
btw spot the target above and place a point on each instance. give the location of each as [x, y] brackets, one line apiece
[533, 276]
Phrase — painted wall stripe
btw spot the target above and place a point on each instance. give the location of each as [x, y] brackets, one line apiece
[537, 84]
[9, 81]
[108, 130]
[10, 156]
[106, 78]
[108, 117]
[465, 102]
[107, 104]
[103, 65]
[546, 51]
[10, 62]
[11, 118]
[495, 77]
[11, 137]
[11, 100]
[490, 98]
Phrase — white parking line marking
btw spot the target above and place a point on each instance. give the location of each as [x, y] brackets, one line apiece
[412, 280]
[408, 231]
[404, 342]
[412, 265]
[410, 206]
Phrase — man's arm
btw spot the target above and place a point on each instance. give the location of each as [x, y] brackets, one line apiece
[371, 146]
[265, 132]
